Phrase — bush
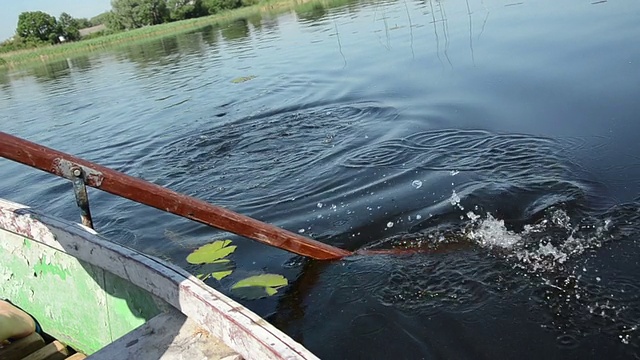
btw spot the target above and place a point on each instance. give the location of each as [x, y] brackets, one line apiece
[215, 6]
[18, 43]
[250, 2]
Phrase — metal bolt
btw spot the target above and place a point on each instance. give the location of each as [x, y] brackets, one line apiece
[77, 172]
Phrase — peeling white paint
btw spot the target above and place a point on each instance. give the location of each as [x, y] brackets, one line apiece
[242, 330]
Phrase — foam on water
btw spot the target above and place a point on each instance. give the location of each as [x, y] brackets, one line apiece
[491, 232]
[543, 246]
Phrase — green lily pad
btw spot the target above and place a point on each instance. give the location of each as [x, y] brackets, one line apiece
[242, 79]
[251, 293]
[218, 269]
[259, 286]
[209, 253]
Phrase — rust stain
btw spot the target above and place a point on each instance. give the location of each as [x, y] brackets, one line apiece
[66, 168]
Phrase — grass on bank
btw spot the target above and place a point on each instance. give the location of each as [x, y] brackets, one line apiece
[25, 57]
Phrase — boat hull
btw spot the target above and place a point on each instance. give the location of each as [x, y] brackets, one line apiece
[78, 303]
[88, 291]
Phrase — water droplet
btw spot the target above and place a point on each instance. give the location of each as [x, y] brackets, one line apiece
[390, 224]
[301, 231]
[418, 217]
[319, 205]
[472, 216]
[454, 172]
[455, 200]
[416, 184]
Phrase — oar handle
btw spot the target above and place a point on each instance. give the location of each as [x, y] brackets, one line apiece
[144, 192]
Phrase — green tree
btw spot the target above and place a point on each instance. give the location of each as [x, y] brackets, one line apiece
[185, 9]
[68, 27]
[100, 19]
[37, 26]
[131, 14]
[215, 6]
[83, 23]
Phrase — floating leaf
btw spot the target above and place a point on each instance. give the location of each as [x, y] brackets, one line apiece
[266, 280]
[259, 286]
[251, 292]
[211, 252]
[242, 79]
[218, 269]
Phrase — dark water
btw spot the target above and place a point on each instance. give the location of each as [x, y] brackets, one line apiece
[497, 137]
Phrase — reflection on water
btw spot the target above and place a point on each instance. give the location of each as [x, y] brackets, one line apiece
[237, 30]
[80, 63]
[51, 71]
[5, 80]
[495, 140]
[314, 14]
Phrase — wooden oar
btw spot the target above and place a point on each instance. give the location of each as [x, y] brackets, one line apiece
[117, 183]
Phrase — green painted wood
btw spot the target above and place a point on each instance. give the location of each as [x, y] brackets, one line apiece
[79, 304]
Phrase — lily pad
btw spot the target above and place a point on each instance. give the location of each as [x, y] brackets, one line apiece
[242, 79]
[259, 286]
[218, 269]
[209, 253]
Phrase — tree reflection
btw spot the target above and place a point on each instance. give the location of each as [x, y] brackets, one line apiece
[81, 63]
[51, 71]
[311, 14]
[210, 35]
[5, 80]
[191, 42]
[236, 30]
[255, 21]
[152, 52]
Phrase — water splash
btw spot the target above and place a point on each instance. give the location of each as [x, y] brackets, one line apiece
[550, 265]
[455, 200]
[491, 232]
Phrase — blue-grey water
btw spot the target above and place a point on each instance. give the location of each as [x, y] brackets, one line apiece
[498, 137]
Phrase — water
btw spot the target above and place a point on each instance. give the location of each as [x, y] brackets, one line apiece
[497, 139]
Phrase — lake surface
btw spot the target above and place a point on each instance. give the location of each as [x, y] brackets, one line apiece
[498, 138]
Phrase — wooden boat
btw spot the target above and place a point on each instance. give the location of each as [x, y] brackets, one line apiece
[112, 302]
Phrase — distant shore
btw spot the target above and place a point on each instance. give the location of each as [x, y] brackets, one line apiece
[20, 58]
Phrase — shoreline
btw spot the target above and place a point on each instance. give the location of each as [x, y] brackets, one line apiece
[22, 58]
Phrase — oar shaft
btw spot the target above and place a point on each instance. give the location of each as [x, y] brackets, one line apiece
[117, 183]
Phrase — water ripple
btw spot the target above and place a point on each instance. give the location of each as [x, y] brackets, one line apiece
[466, 150]
[282, 145]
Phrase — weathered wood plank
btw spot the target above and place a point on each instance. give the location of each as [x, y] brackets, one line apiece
[77, 356]
[169, 336]
[53, 351]
[22, 347]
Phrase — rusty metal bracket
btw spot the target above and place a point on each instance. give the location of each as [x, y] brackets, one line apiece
[82, 196]
[67, 170]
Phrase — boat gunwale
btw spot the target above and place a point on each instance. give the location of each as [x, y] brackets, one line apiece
[240, 328]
